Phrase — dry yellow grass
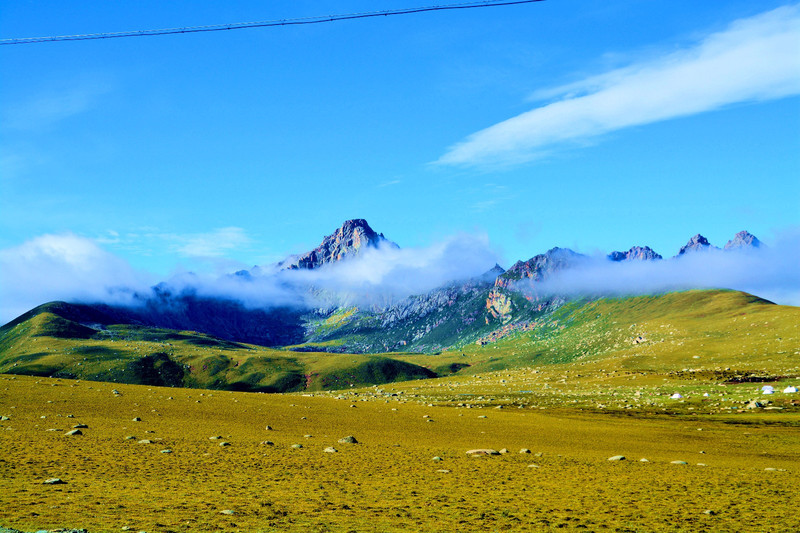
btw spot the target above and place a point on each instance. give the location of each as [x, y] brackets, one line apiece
[386, 482]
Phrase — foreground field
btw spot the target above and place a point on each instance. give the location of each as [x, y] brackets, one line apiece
[741, 470]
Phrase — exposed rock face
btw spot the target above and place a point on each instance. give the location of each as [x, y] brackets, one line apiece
[743, 239]
[696, 244]
[539, 267]
[636, 253]
[348, 241]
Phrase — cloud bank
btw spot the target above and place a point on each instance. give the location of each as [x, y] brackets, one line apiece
[754, 59]
[769, 272]
[64, 267]
[73, 268]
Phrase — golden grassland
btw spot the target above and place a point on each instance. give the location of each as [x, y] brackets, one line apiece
[741, 472]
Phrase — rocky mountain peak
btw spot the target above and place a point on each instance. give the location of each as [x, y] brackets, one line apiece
[347, 241]
[636, 253]
[695, 244]
[743, 239]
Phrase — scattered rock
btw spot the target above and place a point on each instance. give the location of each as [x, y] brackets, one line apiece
[436, 459]
[330, 449]
[130, 437]
[753, 404]
[709, 512]
[145, 441]
[268, 443]
[617, 458]
[228, 512]
[524, 450]
[297, 446]
[4, 418]
[533, 466]
[54, 481]
[679, 462]
[215, 437]
[224, 443]
[166, 451]
[348, 440]
[80, 426]
[443, 471]
[482, 451]
[136, 419]
[643, 460]
[73, 433]
[503, 451]
[269, 428]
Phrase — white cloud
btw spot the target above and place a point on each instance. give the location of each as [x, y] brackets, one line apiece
[769, 272]
[754, 59]
[63, 267]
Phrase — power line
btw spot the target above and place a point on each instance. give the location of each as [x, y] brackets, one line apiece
[265, 23]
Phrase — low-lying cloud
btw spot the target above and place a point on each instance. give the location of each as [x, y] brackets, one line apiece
[376, 277]
[754, 59]
[73, 268]
[64, 267]
[769, 272]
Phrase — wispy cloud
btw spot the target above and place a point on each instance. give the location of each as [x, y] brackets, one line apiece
[47, 108]
[212, 244]
[754, 59]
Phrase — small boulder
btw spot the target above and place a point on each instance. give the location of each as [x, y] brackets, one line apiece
[54, 481]
[330, 449]
[524, 450]
[482, 451]
[348, 440]
[617, 458]
[73, 433]
[679, 462]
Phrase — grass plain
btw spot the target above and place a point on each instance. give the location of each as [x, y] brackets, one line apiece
[741, 472]
[592, 380]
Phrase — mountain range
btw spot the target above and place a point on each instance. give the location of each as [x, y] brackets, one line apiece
[456, 313]
[183, 336]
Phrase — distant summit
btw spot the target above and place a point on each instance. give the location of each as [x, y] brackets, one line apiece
[636, 253]
[743, 239]
[348, 241]
[697, 243]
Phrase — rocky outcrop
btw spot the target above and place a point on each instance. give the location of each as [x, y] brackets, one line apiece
[348, 241]
[636, 253]
[539, 267]
[698, 243]
[743, 239]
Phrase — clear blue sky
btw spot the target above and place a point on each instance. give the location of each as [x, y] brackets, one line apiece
[591, 124]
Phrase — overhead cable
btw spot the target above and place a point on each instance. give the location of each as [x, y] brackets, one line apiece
[265, 23]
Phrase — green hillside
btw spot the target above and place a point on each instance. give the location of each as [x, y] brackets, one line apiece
[43, 343]
[723, 334]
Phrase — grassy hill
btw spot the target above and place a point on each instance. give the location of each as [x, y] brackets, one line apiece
[49, 341]
[722, 334]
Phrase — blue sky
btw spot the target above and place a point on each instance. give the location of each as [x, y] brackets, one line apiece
[595, 125]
